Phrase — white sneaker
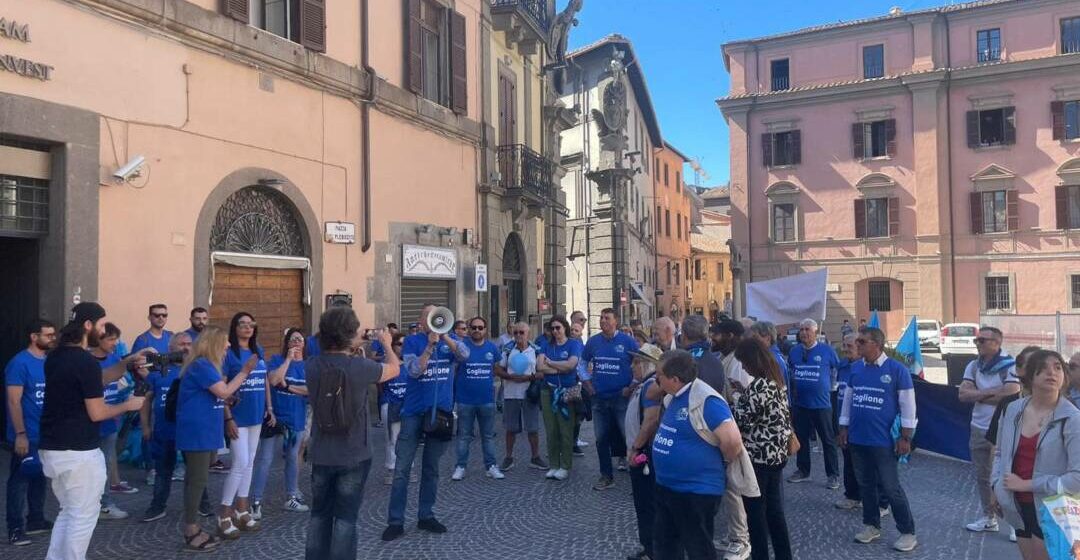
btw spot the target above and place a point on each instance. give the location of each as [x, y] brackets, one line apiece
[868, 534]
[737, 551]
[983, 524]
[295, 503]
[550, 475]
[906, 543]
[562, 474]
[459, 473]
[179, 473]
[112, 513]
[1012, 534]
[494, 472]
[884, 512]
[580, 443]
[150, 476]
[256, 510]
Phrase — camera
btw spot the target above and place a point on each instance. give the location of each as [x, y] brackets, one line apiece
[159, 362]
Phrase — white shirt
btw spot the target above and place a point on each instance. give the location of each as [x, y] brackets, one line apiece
[517, 389]
[982, 413]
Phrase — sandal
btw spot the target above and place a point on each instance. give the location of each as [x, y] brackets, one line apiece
[245, 522]
[227, 529]
[209, 543]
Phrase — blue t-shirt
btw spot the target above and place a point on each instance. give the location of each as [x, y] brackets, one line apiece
[542, 343]
[420, 392]
[561, 353]
[684, 462]
[811, 372]
[377, 351]
[875, 401]
[475, 380]
[843, 374]
[610, 358]
[393, 391]
[194, 334]
[160, 385]
[252, 406]
[115, 393]
[289, 408]
[198, 410]
[311, 349]
[147, 340]
[27, 371]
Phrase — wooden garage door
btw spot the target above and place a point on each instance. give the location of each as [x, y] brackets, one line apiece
[274, 297]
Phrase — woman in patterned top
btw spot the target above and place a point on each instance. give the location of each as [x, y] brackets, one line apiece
[764, 420]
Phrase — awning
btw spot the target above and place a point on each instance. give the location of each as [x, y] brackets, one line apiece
[262, 261]
[639, 293]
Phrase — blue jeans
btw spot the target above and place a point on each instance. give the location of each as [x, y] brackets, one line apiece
[264, 459]
[335, 506]
[484, 414]
[24, 491]
[876, 466]
[163, 452]
[408, 440]
[609, 415]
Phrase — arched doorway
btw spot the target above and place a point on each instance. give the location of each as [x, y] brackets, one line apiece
[260, 262]
[513, 262]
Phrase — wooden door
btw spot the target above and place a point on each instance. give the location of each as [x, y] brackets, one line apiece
[274, 297]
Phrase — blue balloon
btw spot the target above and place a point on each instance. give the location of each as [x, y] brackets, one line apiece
[519, 364]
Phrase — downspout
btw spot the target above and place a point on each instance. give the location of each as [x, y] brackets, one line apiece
[948, 132]
[365, 130]
[749, 198]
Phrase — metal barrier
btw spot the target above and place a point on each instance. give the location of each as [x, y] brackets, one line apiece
[1060, 331]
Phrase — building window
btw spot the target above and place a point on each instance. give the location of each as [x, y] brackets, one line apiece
[432, 52]
[874, 139]
[880, 296]
[275, 16]
[676, 273]
[437, 57]
[657, 169]
[1074, 280]
[1066, 119]
[659, 218]
[1074, 207]
[667, 223]
[666, 183]
[995, 212]
[779, 73]
[782, 148]
[783, 222]
[678, 181]
[678, 225]
[997, 293]
[697, 269]
[668, 274]
[989, 45]
[877, 217]
[991, 127]
[1067, 202]
[1070, 35]
[873, 57]
[719, 272]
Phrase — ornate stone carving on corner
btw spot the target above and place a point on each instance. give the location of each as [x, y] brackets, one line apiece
[611, 122]
[560, 31]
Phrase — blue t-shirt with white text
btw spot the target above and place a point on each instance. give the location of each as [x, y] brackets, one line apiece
[115, 393]
[561, 353]
[251, 408]
[393, 391]
[420, 392]
[27, 371]
[875, 401]
[163, 430]
[474, 383]
[197, 409]
[610, 358]
[811, 375]
[684, 462]
[289, 408]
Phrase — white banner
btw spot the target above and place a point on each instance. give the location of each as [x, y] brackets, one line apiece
[788, 300]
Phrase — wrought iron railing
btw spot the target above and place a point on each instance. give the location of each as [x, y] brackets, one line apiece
[522, 168]
[536, 10]
[780, 83]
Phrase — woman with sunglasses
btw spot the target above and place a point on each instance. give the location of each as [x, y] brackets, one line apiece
[288, 394]
[391, 398]
[243, 423]
[1038, 450]
[558, 364]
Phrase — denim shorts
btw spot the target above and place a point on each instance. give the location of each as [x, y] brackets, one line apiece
[518, 412]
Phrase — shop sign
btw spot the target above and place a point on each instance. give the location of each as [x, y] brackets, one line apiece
[343, 233]
[11, 29]
[428, 262]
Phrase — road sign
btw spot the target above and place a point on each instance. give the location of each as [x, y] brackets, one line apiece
[481, 278]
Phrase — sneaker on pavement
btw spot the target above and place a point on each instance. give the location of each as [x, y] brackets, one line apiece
[550, 475]
[833, 483]
[507, 464]
[580, 443]
[494, 472]
[153, 514]
[179, 473]
[112, 512]
[256, 510]
[150, 476]
[906, 543]
[604, 483]
[578, 452]
[1012, 534]
[431, 525]
[562, 474]
[799, 476]
[737, 551]
[39, 528]
[983, 524]
[17, 537]
[219, 467]
[848, 504]
[459, 473]
[621, 465]
[884, 512]
[392, 532]
[539, 464]
[294, 503]
[123, 488]
[868, 534]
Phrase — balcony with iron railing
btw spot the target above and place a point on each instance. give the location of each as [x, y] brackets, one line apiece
[525, 22]
[523, 170]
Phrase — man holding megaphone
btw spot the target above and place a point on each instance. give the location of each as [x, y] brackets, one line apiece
[431, 356]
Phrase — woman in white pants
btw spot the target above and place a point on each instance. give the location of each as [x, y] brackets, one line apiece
[243, 422]
[390, 400]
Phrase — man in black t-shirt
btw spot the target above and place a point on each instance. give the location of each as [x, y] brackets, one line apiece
[74, 405]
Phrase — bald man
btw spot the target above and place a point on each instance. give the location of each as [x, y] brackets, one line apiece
[664, 332]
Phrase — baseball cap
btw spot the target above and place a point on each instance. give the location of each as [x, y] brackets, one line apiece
[87, 311]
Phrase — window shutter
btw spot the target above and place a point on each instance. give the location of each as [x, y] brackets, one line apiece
[976, 213]
[857, 140]
[796, 147]
[1012, 210]
[236, 9]
[459, 86]
[313, 24]
[1009, 114]
[890, 137]
[766, 149]
[414, 57]
[1057, 112]
[860, 218]
[973, 129]
[1061, 205]
[894, 216]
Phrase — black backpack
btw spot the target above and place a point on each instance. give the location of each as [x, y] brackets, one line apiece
[170, 400]
[331, 401]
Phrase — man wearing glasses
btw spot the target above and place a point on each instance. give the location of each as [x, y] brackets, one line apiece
[474, 389]
[987, 379]
[519, 413]
[156, 336]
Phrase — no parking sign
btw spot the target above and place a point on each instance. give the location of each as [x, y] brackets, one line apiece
[481, 278]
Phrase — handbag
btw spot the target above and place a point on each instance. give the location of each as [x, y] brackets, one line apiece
[439, 425]
[1059, 517]
[533, 392]
[572, 395]
[269, 431]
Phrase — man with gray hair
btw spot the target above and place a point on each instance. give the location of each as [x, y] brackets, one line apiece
[812, 367]
[664, 333]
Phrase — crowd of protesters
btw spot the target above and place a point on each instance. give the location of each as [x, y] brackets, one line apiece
[704, 416]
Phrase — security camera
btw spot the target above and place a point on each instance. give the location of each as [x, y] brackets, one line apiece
[129, 170]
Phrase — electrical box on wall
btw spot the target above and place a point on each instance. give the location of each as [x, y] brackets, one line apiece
[339, 298]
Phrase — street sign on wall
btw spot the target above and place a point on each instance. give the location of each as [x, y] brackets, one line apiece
[481, 278]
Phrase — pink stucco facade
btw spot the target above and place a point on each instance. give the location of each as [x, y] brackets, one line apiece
[929, 256]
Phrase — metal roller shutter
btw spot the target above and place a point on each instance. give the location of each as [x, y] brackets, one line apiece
[415, 293]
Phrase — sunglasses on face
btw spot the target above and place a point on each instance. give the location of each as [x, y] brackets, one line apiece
[557, 328]
[160, 315]
[477, 327]
[861, 341]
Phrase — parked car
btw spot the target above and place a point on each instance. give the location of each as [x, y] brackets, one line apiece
[958, 338]
[929, 333]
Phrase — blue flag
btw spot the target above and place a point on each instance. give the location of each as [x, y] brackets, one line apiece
[874, 322]
[908, 346]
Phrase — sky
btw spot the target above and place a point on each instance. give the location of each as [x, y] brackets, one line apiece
[678, 42]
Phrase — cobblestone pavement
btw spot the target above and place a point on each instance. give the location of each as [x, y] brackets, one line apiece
[527, 517]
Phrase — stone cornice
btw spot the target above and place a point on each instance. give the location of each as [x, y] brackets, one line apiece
[398, 102]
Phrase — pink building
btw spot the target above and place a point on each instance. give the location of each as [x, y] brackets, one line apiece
[930, 160]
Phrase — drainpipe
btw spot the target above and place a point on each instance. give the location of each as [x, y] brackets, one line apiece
[948, 132]
[365, 129]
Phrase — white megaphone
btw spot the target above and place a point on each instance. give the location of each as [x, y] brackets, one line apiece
[440, 320]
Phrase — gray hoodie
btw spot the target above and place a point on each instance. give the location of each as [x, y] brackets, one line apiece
[1057, 455]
